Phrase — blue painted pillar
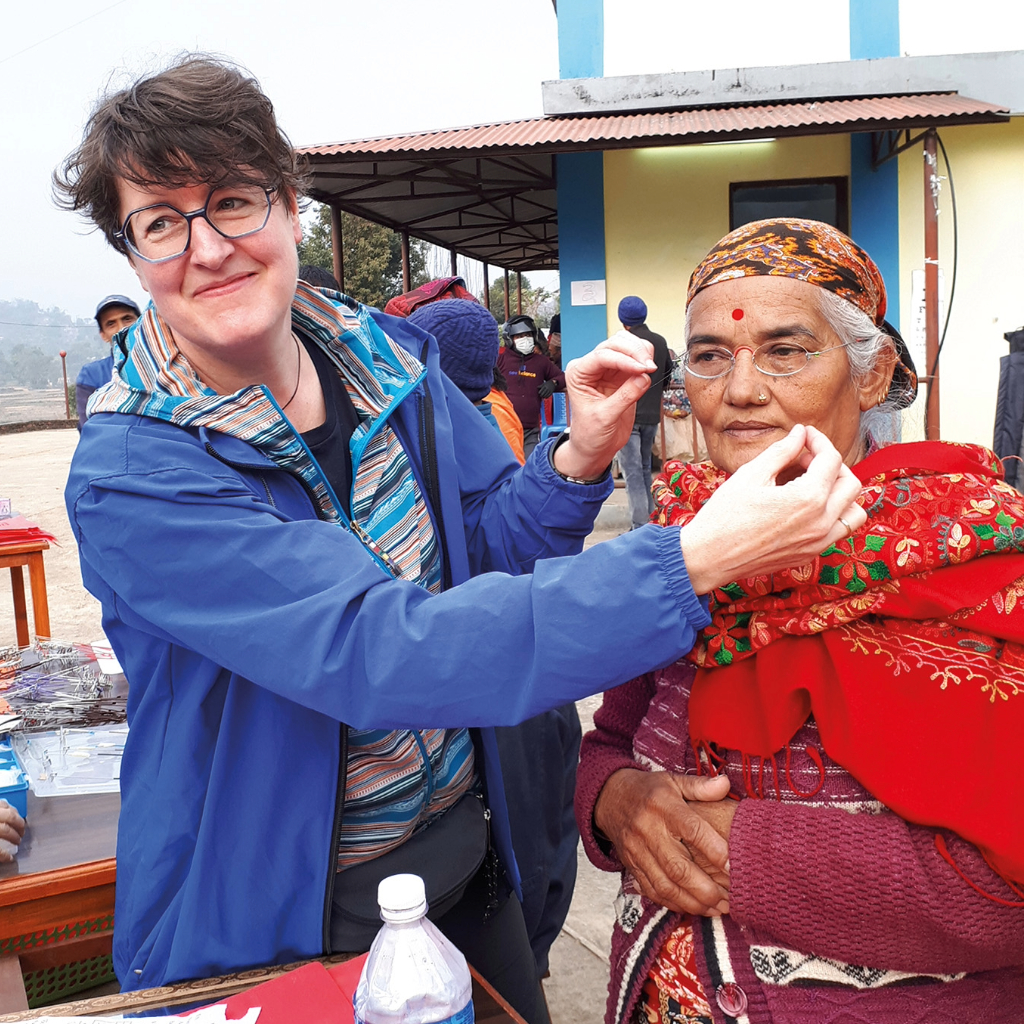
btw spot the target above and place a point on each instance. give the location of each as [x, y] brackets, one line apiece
[875, 194]
[580, 179]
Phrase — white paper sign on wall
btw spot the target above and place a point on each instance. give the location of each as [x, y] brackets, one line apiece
[587, 293]
[916, 336]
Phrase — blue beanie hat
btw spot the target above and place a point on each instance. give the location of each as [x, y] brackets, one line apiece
[632, 311]
[467, 335]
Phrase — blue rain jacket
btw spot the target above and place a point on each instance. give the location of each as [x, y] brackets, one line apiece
[249, 629]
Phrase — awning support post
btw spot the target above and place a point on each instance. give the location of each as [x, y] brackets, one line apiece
[487, 289]
[519, 293]
[508, 311]
[455, 263]
[406, 273]
[931, 284]
[337, 251]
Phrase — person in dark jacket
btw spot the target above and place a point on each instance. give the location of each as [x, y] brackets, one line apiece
[327, 578]
[531, 376]
[635, 457]
[113, 314]
[1008, 437]
[555, 340]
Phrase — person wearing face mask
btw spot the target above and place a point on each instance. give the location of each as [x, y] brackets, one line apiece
[530, 374]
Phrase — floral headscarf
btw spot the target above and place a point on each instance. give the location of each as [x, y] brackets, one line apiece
[811, 251]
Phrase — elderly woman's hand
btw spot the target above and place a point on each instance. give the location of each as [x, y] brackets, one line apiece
[753, 525]
[603, 387]
[12, 831]
[678, 858]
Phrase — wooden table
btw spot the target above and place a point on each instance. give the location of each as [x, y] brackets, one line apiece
[57, 898]
[13, 557]
[488, 1006]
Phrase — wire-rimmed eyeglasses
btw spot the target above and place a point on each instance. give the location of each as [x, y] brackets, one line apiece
[773, 358]
[162, 232]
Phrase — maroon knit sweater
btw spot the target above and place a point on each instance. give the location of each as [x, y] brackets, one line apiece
[819, 867]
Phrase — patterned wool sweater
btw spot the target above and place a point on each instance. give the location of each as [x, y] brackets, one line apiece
[840, 910]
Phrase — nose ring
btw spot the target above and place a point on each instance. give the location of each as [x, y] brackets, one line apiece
[762, 398]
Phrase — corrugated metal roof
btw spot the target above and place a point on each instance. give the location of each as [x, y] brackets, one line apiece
[488, 191]
[617, 130]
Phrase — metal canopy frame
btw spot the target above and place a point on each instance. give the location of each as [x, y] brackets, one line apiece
[489, 192]
[886, 145]
[499, 209]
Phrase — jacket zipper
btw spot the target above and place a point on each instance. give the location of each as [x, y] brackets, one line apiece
[332, 860]
[428, 453]
[428, 767]
[266, 487]
[339, 794]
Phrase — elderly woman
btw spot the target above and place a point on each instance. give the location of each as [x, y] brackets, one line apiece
[816, 810]
[320, 567]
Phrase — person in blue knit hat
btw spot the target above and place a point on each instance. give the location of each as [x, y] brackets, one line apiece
[467, 336]
[635, 456]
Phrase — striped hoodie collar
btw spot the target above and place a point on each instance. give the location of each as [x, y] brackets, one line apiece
[153, 378]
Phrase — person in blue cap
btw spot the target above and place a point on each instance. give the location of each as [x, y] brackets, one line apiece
[113, 314]
[635, 457]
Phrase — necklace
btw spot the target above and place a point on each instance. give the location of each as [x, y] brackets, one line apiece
[298, 373]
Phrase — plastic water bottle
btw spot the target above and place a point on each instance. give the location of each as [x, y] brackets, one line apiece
[413, 974]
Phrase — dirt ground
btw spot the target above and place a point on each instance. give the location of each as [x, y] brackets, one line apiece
[19, 405]
[33, 472]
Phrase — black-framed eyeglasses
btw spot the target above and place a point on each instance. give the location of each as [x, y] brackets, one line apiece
[773, 358]
[162, 232]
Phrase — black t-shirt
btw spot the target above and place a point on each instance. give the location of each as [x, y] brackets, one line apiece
[329, 442]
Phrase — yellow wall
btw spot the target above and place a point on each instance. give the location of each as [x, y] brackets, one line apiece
[988, 173]
[664, 208]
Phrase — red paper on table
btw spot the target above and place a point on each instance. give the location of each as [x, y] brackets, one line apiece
[307, 994]
[19, 530]
[346, 977]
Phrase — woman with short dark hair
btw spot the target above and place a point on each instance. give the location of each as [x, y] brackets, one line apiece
[846, 866]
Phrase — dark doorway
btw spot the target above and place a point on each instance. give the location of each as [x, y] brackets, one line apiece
[824, 199]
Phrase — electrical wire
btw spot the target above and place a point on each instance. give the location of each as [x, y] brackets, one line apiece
[956, 253]
[52, 327]
[60, 32]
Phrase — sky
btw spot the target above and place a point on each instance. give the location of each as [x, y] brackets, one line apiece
[363, 69]
[693, 36]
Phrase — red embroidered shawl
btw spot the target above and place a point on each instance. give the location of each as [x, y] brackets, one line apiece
[905, 642]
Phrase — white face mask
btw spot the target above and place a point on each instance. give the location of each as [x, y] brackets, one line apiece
[524, 345]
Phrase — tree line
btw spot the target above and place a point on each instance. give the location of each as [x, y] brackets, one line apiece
[31, 336]
[372, 254]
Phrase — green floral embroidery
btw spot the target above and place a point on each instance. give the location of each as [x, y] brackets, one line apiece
[735, 638]
[854, 568]
[1007, 536]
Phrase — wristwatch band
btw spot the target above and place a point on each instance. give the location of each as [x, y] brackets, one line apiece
[562, 438]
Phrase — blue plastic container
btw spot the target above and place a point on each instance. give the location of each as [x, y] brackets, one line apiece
[13, 781]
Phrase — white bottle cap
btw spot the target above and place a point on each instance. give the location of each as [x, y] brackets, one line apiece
[402, 898]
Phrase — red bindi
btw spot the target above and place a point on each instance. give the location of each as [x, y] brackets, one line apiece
[737, 314]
